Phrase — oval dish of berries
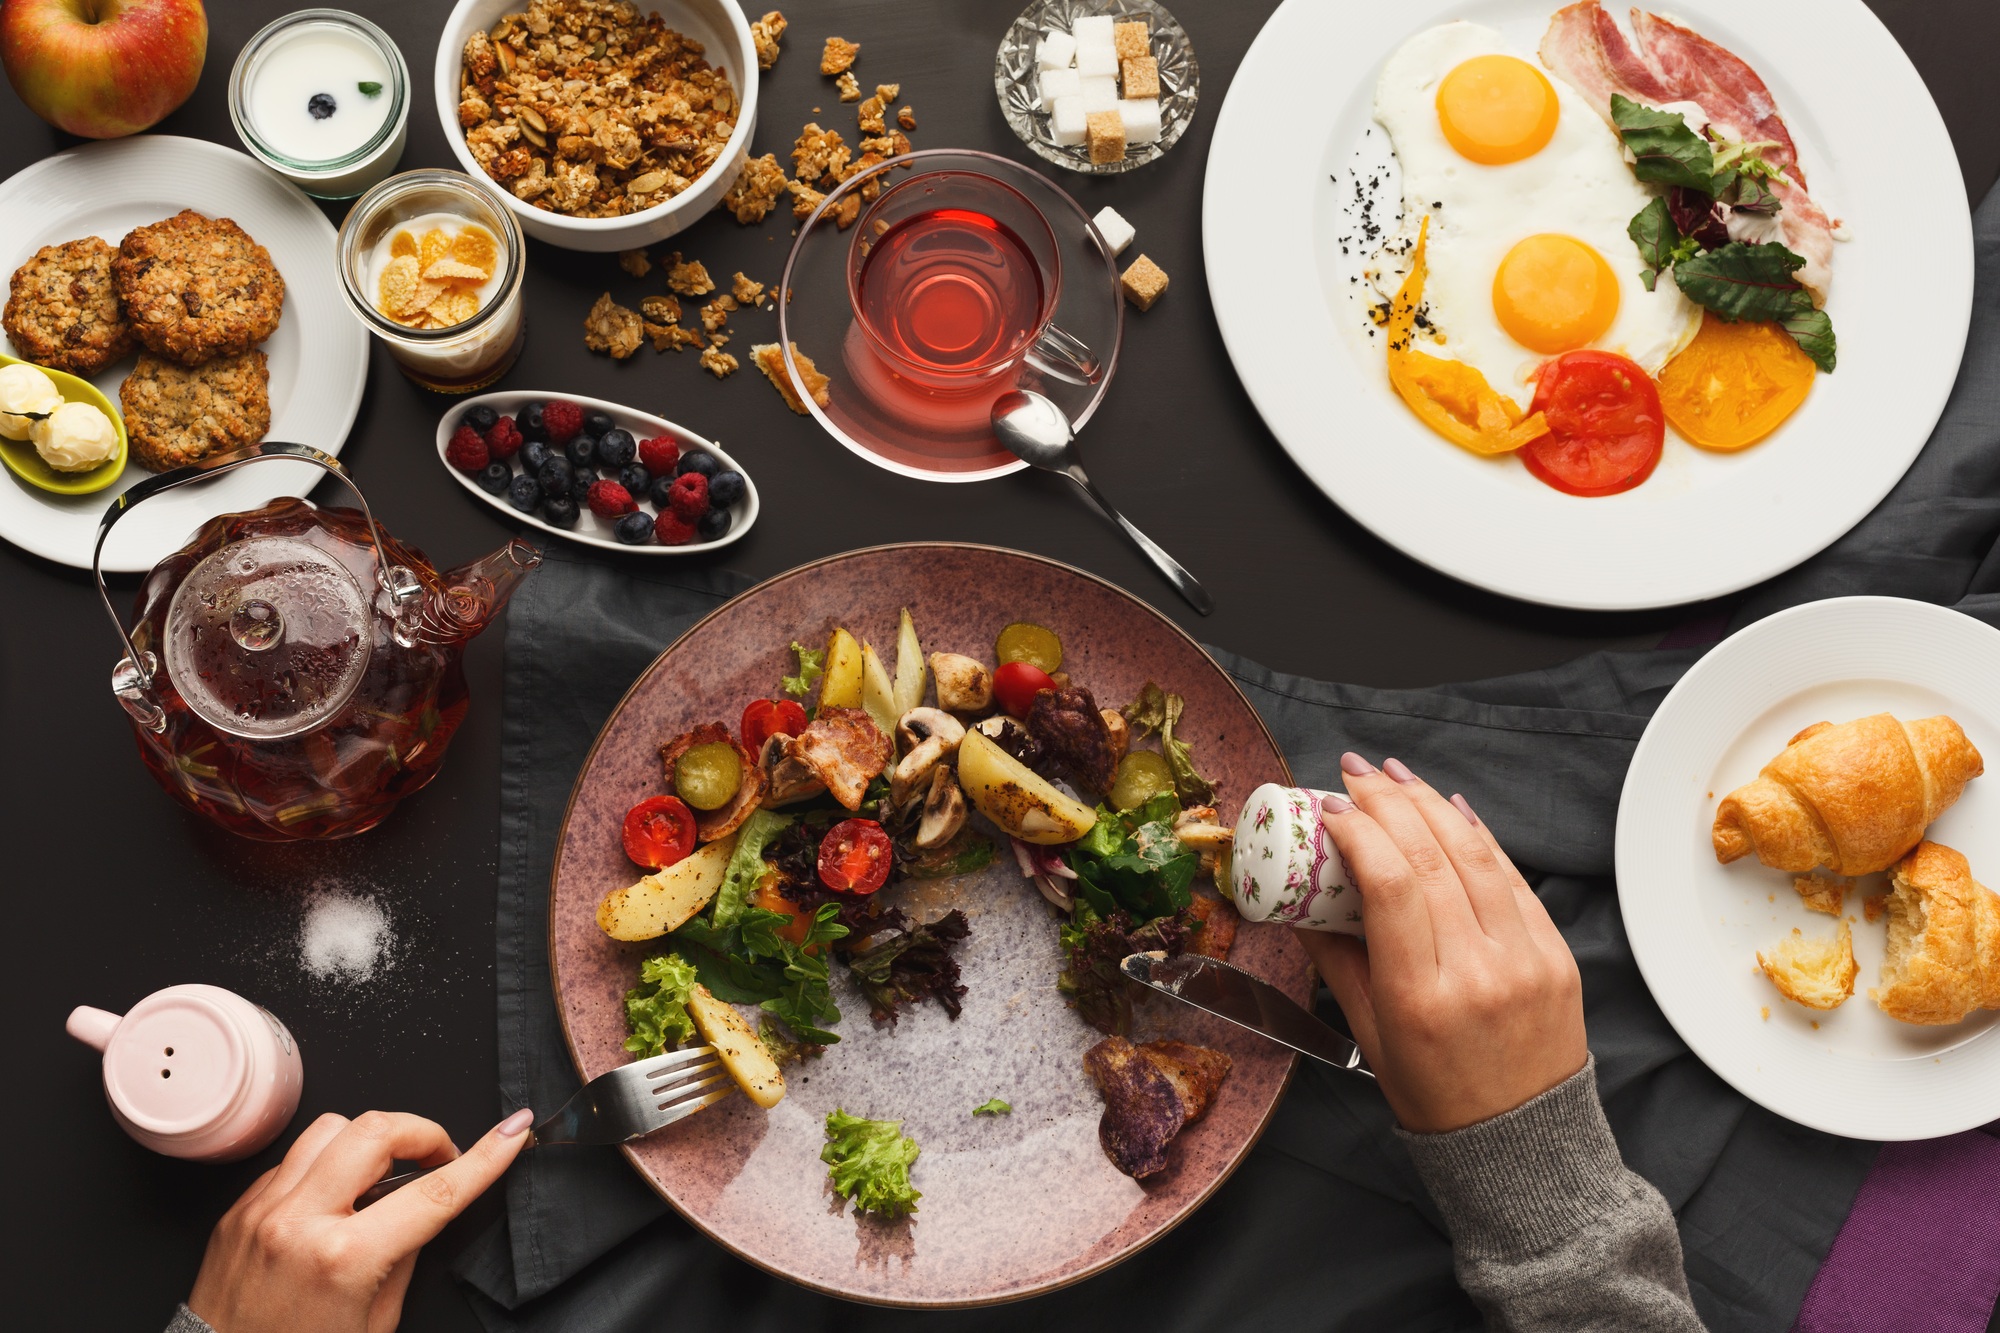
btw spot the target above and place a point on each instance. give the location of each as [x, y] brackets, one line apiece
[597, 472]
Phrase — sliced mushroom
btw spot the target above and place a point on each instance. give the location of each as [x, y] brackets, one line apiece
[788, 778]
[993, 727]
[920, 724]
[964, 685]
[1199, 832]
[944, 810]
[913, 772]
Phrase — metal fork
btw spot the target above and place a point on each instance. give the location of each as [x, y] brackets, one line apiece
[627, 1103]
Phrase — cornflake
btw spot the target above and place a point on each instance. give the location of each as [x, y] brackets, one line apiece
[764, 35]
[757, 190]
[719, 363]
[690, 278]
[838, 57]
[770, 358]
[431, 280]
[850, 88]
[610, 327]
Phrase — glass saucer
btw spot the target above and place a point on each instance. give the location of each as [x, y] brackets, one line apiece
[906, 427]
[1016, 82]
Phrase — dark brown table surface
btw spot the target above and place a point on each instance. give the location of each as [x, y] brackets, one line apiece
[112, 891]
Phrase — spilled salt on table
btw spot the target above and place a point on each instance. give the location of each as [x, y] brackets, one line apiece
[344, 937]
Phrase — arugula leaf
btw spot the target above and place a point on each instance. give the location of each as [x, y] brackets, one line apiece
[746, 865]
[869, 1162]
[993, 1106]
[656, 1009]
[1660, 242]
[1667, 151]
[812, 665]
[1755, 282]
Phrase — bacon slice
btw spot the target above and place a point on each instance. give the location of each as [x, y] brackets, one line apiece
[1584, 45]
[1736, 100]
[847, 750]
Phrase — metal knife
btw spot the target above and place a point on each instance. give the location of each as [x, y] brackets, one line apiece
[1230, 992]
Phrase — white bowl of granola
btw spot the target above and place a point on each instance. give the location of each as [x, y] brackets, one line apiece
[597, 119]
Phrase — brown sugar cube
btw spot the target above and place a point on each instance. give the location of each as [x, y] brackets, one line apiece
[1139, 77]
[1106, 132]
[1144, 283]
[838, 56]
[1130, 41]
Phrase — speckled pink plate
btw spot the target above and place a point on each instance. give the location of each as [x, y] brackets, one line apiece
[1012, 1205]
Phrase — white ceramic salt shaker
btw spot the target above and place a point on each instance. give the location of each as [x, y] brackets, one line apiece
[196, 1071]
[1283, 868]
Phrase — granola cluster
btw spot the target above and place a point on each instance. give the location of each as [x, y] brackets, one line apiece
[586, 108]
[619, 331]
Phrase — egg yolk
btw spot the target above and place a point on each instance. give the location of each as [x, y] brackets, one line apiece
[1497, 109]
[1554, 294]
[1734, 384]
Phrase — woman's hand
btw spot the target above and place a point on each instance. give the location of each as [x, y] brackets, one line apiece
[293, 1256]
[1464, 997]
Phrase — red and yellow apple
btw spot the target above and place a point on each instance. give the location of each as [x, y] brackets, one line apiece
[103, 68]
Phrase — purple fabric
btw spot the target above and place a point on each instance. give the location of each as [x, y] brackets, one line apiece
[1921, 1249]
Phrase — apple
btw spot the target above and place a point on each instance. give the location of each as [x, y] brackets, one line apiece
[103, 68]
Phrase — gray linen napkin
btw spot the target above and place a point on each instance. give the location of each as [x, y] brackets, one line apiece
[1326, 1225]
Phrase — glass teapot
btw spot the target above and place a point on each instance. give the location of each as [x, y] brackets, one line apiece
[293, 673]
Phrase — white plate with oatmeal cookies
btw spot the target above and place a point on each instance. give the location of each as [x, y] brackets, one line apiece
[1831, 1038]
[107, 190]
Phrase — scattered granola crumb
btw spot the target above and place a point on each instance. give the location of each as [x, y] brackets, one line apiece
[674, 337]
[716, 313]
[757, 190]
[907, 118]
[901, 144]
[610, 327]
[869, 116]
[818, 154]
[804, 199]
[690, 278]
[849, 209]
[661, 309]
[719, 363]
[747, 292]
[888, 92]
[838, 57]
[770, 359]
[635, 262]
[850, 87]
[1143, 283]
[764, 34]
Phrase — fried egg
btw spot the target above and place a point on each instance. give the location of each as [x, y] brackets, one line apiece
[1528, 198]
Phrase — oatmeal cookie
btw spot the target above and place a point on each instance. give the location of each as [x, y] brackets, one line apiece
[196, 287]
[175, 415]
[62, 310]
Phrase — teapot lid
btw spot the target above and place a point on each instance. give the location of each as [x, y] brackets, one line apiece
[268, 637]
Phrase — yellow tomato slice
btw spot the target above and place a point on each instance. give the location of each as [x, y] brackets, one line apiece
[1734, 384]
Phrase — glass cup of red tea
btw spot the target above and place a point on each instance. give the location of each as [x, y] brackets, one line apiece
[954, 276]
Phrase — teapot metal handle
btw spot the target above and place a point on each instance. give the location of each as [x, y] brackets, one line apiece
[134, 677]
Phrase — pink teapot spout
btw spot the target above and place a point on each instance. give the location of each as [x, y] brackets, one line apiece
[461, 602]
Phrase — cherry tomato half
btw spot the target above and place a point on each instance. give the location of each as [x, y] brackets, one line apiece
[659, 831]
[1606, 428]
[765, 718]
[855, 857]
[1016, 683]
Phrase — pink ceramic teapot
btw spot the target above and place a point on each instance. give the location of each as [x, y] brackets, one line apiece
[294, 672]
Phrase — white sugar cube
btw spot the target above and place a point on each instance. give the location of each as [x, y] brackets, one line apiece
[1118, 233]
[1056, 50]
[1057, 83]
[1099, 92]
[1097, 29]
[1068, 120]
[1096, 58]
[1141, 116]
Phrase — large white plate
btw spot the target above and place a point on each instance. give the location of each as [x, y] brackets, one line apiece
[1703, 524]
[106, 189]
[1696, 926]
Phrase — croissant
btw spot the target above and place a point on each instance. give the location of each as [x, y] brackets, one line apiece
[1853, 798]
[1943, 958]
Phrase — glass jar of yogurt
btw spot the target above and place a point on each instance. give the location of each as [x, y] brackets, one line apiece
[431, 261]
[322, 97]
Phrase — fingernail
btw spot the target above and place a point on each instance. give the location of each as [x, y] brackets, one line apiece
[516, 1123]
[1355, 766]
[1464, 808]
[1398, 770]
[1336, 804]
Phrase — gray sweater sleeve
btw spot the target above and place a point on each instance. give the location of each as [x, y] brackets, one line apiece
[187, 1321]
[1549, 1230]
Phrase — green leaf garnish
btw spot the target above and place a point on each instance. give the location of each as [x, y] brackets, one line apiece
[656, 1009]
[369, 88]
[869, 1162]
[812, 665]
[993, 1106]
[1668, 152]
[1755, 282]
[1660, 242]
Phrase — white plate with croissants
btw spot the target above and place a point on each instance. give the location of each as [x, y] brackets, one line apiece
[1802, 841]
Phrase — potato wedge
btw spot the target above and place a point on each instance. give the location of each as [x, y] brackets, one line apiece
[1015, 797]
[666, 899]
[878, 692]
[841, 686]
[910, 681]
[741, 1051]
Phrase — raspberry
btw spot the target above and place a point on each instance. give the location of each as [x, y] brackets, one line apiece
[607, 499]
[467, 452]
[504, 440]
[561, 421]
[670, 529]
[688, 496]
[659, 454]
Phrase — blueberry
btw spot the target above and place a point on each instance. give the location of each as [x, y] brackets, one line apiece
[582, 451]
[725, 489]
[635, 528]
[579, 488]
[634, 478]
[596, 423]
[559, 511]
[662, 486]
[555, 476]
[529, 419]
[494, 477]
[697, 462]
[714, 525]
[480, 418]
[524, 494]
[533, 454]
[320, 105]
[616, 447]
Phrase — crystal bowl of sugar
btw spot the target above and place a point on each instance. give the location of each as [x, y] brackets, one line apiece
[1097, 86]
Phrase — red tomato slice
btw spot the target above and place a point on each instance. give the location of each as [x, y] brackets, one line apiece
[765, 718]
[1016, 683]
[855, 857]
[659, 831]
[1606, 428]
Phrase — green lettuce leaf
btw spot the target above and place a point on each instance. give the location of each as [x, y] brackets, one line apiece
[869, 1162]
[812, 665]
[803, 1000]
[656, 1009]
[1755, 282]
[993, 1106]
[1668, 152]
[746, 865]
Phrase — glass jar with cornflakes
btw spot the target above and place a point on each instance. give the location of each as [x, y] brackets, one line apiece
[431, 262]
